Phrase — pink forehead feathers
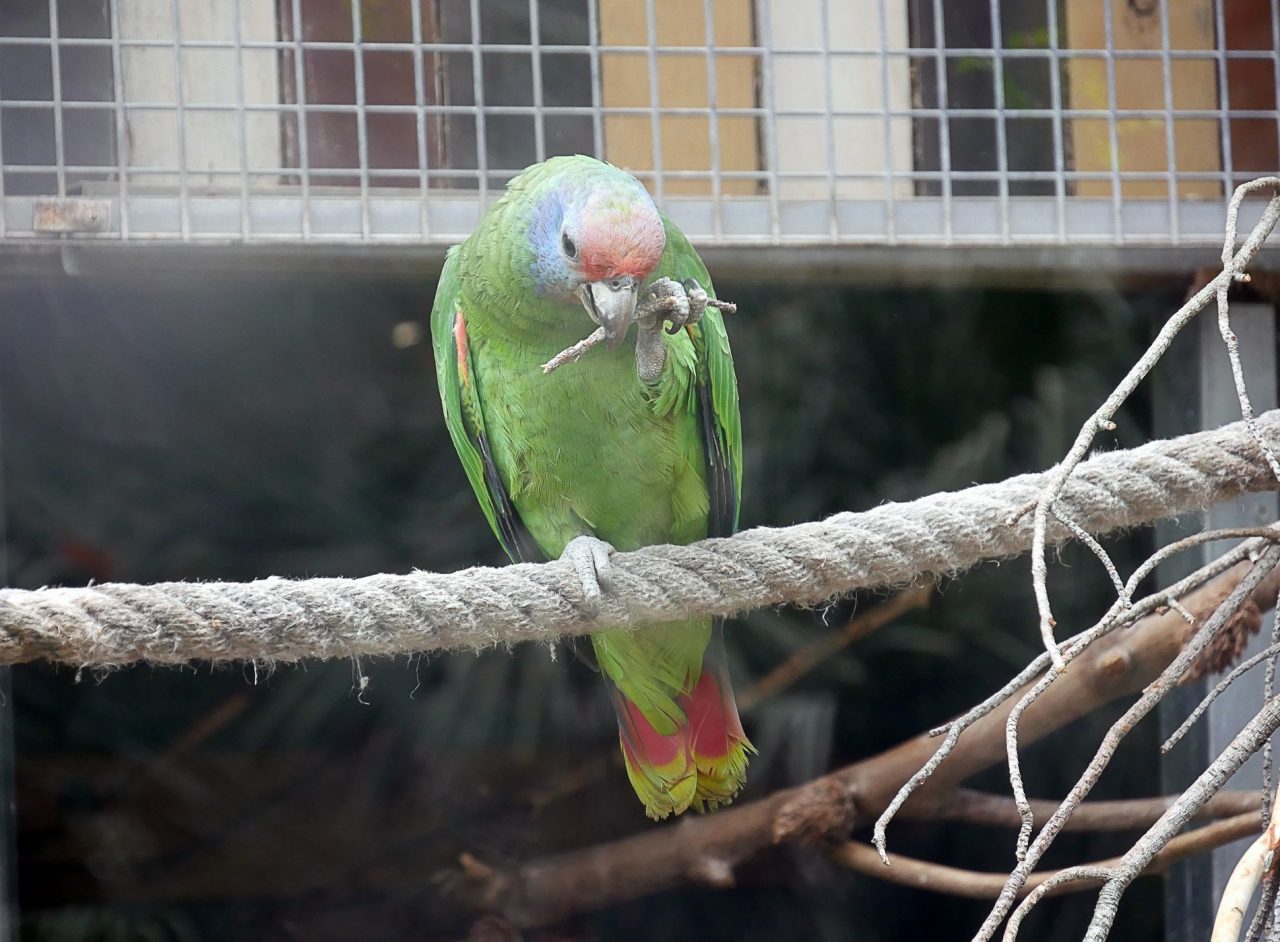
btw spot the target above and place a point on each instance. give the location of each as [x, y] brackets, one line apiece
[620, 236]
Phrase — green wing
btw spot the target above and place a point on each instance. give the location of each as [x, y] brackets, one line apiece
[717, 389]
[464, 415]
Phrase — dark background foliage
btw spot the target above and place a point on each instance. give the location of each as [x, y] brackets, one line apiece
[200, 426]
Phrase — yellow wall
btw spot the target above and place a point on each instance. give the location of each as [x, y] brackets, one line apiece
[1142, 142]
[682, 83]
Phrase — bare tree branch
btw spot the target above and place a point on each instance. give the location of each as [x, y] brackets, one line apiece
[1233, 269]
[1258, 860]
[1266, 907]
[1238, 671]
[953, 881]
[972, 807]
[1247, 742]
[1120, 613]
[1233, 266]
[1094, 547]
[1085, 875]
[1259, 574]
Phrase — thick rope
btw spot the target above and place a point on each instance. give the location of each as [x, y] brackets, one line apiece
[284, 620]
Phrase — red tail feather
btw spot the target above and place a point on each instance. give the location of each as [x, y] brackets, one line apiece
[703, 763]
[717, 743]
[660, 767]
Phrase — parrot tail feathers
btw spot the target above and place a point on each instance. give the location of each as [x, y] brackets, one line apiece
[717, 742]
[659, 766]
[689, 749]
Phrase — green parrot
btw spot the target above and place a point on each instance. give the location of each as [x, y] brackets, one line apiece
[639, 442]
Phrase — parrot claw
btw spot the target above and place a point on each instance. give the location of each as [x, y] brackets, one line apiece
[680, 303]
[697, 300]
[590, 558]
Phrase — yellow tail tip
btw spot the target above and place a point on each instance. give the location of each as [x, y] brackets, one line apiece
[664, 790]
[697, 782]
[721, 778]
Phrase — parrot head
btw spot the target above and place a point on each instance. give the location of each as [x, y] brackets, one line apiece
[596, 237]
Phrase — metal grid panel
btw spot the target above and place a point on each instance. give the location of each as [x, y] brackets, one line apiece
[975, 122]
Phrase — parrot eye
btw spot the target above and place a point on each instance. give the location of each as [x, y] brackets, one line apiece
[570, 247]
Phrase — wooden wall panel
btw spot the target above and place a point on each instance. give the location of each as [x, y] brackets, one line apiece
[1140, 84]
[329, 74]
[682, 83]
[212, 148]
[858, 83]
[1255, 150]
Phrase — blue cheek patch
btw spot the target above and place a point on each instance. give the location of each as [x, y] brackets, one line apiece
[551, 273]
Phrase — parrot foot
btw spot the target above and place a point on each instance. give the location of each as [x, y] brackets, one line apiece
[682, 303]
[651, 353]
[669, 300]
[590, 558]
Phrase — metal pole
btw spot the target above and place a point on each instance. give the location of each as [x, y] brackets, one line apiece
[1201, 394]
[8, 802]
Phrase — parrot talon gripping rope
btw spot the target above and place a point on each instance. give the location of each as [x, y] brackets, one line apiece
[590, 558]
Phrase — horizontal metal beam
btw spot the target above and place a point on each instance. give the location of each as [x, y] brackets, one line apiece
[284, 216]
[1047, 267]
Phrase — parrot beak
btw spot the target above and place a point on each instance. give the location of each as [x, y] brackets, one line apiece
[612, 305]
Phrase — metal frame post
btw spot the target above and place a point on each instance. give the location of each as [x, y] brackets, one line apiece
[1198, 392]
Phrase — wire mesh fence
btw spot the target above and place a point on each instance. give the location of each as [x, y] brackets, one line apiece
[754, 122]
